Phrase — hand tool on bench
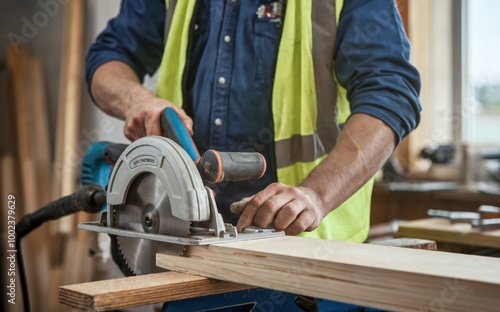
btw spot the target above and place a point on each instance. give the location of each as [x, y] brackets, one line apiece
[490, 218]
[157, 200]
[486, 217]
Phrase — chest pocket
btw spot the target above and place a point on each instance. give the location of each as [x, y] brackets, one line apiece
[266, 40]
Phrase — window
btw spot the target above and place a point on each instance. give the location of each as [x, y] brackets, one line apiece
[481, 72]
[456, 48]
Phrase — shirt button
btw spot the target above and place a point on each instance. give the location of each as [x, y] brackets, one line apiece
[218, 122]
[227, 38]
[196, 26]
[222, 80]
[234, 1]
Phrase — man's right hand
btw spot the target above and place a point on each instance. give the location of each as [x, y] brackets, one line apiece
[143, 118]
[119, 93]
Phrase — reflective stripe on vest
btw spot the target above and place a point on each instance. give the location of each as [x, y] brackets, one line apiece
[307, 102]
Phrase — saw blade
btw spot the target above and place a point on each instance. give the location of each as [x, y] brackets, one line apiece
[147, 209]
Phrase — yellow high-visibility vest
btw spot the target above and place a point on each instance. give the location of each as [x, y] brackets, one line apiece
[308, 104]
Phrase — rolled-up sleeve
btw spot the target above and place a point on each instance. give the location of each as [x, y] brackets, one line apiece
[372, 64]
[134, 37]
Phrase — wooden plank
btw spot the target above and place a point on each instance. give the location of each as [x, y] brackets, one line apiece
[7, 188]
[19, 100]
[68, 112]
[36, 174]
[442, 230]
[415, 243]
[403, 150]
[390, 278]
[7, 182]
[141, 290]
[35, 246]
[41, 143]
[66, 157]
[6, 120]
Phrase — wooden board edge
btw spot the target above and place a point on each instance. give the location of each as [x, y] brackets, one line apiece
[176, 287]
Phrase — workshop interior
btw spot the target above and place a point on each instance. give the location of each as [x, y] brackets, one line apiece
[94, 222]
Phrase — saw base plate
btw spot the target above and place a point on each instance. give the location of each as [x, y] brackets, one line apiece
[249, 234]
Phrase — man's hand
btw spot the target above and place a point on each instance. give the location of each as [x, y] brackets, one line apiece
[289, 208]
[118, 91]
[363, 146]
[143, 118]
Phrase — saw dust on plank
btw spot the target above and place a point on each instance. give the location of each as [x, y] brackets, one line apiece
[141, 290]
[376, 276]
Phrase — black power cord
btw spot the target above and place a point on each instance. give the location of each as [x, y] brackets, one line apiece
[90, 198]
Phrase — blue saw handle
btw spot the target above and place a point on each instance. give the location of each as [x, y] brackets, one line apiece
[172, 124]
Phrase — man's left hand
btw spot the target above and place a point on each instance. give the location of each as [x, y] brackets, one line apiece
[294, 209]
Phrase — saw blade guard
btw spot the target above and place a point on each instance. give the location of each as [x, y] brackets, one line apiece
[166, 160]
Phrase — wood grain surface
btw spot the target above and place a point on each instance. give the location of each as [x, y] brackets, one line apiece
[391, 278]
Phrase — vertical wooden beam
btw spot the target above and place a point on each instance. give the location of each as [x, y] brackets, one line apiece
[402, 152]
[42, 161]
[430, 34]
[72, 264]
[68, 112]
[7, 187]
[41, 144]
[23, 86]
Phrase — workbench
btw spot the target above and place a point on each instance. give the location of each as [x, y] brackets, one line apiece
[388, 205]
[444, 231]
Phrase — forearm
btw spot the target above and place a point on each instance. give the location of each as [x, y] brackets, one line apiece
[118, 92]
[115, 87]
[363, 146]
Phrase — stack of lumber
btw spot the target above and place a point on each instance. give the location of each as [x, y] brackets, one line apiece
[71, 250]
[53, 255]
[26, 169]
[7, 177]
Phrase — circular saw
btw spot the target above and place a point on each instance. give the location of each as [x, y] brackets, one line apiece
[156, 189]
[158, 203]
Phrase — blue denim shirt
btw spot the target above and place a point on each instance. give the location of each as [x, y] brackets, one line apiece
[231, 71]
